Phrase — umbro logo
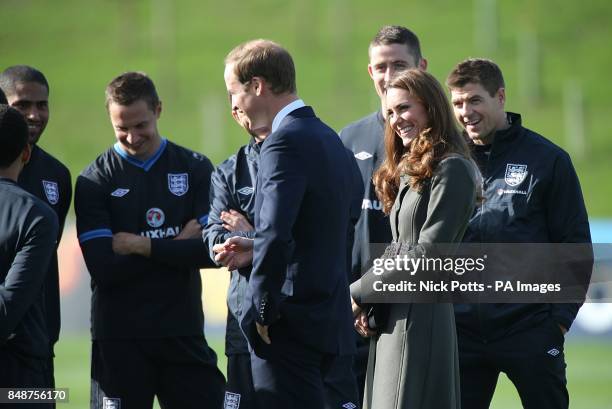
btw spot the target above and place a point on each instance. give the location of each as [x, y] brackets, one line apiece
[349, 405]
[363, 155]
[120, 192]
[553, 352]
[247, 190]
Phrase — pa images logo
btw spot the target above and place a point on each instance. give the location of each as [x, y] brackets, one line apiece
[515, 174]
[178, 183]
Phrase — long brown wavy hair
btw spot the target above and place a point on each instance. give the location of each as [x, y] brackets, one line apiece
[419, 160]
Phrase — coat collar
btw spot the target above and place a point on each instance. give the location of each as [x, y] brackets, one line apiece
[289, 108]
[507, 137]
[304, 112]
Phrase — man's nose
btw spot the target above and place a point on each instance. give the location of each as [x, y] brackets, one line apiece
[32, 113]
[464, 109]
[389, 72]
[132, 137]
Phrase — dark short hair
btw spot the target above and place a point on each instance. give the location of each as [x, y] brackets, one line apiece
[3, 99]
[16, 74]
[398, 35]
[13, 135]
[130, 87]
[266, 59]
[477, 71]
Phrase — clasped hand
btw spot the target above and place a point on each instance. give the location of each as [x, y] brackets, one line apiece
[236, 252]
[361, 320]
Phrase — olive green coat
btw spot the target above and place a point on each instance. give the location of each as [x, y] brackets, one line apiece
[413, 362]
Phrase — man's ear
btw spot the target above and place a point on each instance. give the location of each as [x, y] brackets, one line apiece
[370, 69]
[26, 154]
[422, 64]
[258, 84]
[158, 110]
[501, 96]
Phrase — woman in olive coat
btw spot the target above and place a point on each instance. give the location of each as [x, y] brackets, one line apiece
[429, 186]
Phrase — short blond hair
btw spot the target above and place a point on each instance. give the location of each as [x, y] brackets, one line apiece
[265, 59]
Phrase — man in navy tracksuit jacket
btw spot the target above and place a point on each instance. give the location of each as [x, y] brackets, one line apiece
[232, 202]
[44, 176]
[28, 232]
[531, 195]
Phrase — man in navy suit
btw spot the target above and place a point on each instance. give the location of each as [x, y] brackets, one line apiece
[299, 322]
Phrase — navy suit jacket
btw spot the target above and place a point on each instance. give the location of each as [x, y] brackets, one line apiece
[308, 194]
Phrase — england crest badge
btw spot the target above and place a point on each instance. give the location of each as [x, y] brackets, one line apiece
[232, 400]
[111, 403]
[515, 174]
[178, 183]
[51, 191]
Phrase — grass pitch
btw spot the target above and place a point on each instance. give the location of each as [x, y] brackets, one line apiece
[589, 373]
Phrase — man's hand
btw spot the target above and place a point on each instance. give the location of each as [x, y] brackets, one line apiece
[235, 221]
[236, 252]
[262, 330]
[361, 325]
[128, 243]
[361, 320]
[563, 329]
[191, 230]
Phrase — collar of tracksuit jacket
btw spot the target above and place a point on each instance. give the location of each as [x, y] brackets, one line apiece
[506, 138]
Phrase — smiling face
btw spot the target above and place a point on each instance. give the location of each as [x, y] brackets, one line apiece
[135, 127]
[478, 112]
[32, 100]
[406, 114]
[246, 103]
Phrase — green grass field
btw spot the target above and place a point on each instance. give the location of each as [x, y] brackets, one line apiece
[589, 374]
[547, 50]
